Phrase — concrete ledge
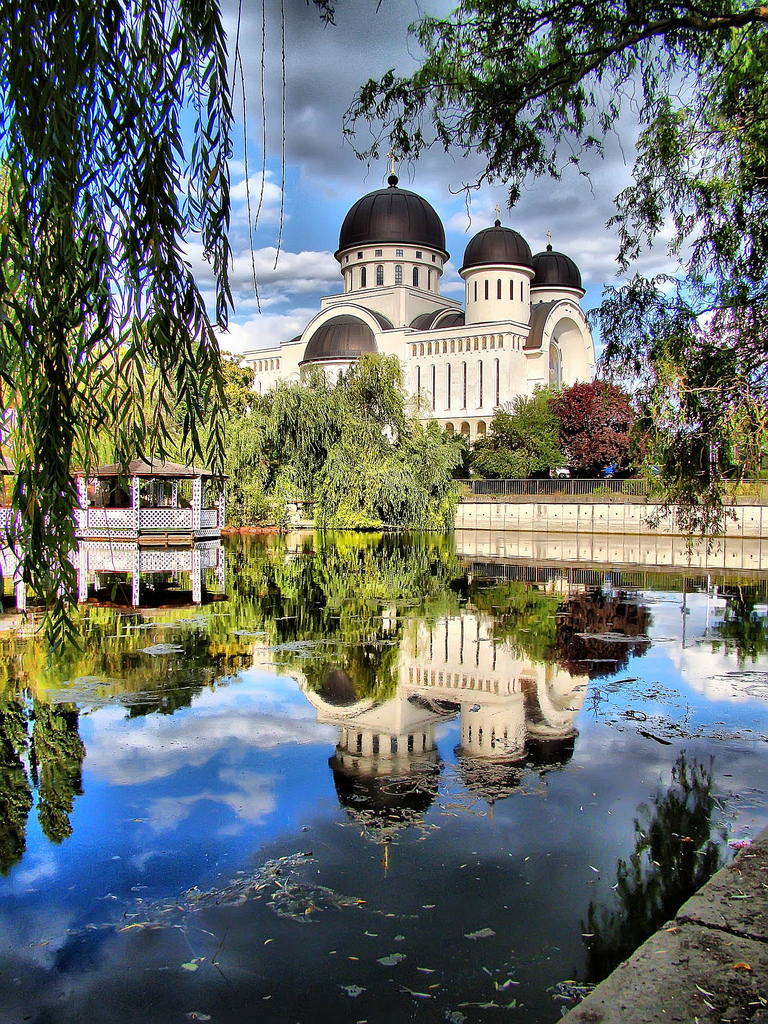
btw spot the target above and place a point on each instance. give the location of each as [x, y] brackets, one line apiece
[710, 964]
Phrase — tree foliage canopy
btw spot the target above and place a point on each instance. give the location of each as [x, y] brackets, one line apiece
[595, 423]
[524, 439]
[99, 196]
[534, 85]
[353, 447]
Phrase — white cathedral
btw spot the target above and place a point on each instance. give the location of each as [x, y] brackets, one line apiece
[521, 325]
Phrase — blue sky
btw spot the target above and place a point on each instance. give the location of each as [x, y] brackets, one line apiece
[324, 67]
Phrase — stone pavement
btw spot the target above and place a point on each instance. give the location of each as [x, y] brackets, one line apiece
[708, 965]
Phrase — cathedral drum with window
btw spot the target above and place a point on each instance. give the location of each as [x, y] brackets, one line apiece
[521, 325]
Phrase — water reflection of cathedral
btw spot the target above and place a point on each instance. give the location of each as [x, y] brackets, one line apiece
[514, 714]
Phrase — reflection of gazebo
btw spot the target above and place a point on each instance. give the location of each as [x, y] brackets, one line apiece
[149, 517]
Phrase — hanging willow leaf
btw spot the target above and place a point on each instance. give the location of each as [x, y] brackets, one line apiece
[96, 200]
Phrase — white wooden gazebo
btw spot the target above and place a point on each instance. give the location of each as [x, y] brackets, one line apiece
[149, 517]
[144, 501]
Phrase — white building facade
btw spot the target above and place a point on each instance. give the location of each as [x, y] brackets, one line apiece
[520, 326]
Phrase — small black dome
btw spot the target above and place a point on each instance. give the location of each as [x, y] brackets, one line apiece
[497, 245]
[555, 270]
[392, 215]
[342, 337]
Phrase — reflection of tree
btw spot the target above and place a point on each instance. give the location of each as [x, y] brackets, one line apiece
[525, 617]
[674, 856]
[597, 614]
[743, 631]
[548, 627]
[15, 793]
[335, 593]
[57, 757]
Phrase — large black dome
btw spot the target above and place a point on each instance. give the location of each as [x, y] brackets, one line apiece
[555, 270]
[392, 215]
[497, 245]
[342, 337]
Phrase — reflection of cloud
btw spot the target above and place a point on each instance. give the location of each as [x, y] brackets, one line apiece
[251, 800]
[32, 871]
[717, 674]
[263, 716]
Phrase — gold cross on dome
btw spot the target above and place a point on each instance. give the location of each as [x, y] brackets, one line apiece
[392, 158]
[498, 212]
[549, 237]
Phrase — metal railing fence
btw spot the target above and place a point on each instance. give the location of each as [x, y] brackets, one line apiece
[569, 487]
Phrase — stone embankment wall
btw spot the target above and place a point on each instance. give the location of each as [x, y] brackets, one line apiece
[591, 517]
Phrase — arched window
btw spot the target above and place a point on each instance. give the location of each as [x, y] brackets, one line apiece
[379, 275]
[464, 385]
[448, 386]
[434, 381]
[498, 381]
[498, 289]
[415, 277]
[449, 429]
[521, 291]
[511, 289]
[418, 380]
[475, 291]
[480, 384]
[429, 348]
[362, 277]
[486, 288]
[453, 345]
[414, 350]
[421, 349]
[429, 280]
[398, 274]
[555, 366]
[445, 347]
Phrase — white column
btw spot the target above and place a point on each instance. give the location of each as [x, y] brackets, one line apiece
[136, 502]
[81, 513]
[222, 504]
[196, 575]
[221, 569]
[21, 594]
[136, 587]
[82, 572]
[197, 501]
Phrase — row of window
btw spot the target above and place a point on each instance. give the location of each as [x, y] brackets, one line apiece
[479, 381]
[260, 365]
[462, 345]
[453, 679]
[415, 277]
[499, 290]
[379, 253]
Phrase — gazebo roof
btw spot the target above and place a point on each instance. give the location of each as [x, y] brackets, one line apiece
[154, 468]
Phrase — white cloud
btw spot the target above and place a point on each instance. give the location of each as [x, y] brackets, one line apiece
[264, 331]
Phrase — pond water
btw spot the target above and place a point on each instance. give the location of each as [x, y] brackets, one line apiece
[374, 784]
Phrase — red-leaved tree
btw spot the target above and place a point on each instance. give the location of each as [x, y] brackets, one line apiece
[595, 423]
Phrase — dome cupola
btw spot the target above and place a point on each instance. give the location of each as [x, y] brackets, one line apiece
[497, 272]
[341, 339]
[392, 215]
[555, 270]
[497, 246]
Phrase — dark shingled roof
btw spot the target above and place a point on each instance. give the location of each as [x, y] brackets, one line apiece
[342, 337]
[447, 317]
[497, 245]
[555, 270]
[392, 215]
[153, 468]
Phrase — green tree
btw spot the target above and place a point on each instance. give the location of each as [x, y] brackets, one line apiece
[353, 447]
[57, 755]
[15, 791]
[523, 439]
[534, 85]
